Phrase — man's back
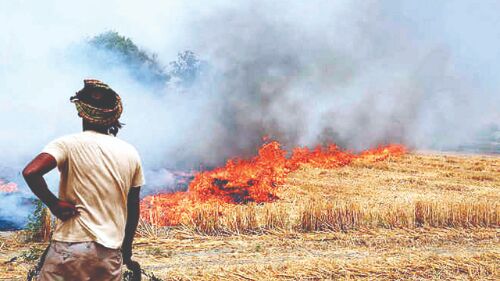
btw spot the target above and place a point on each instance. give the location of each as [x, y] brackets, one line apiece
[99, 192]
[97, 171]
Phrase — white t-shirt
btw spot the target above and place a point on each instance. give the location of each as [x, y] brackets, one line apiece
[97, 172]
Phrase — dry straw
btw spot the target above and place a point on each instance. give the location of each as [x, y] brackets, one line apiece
[322, 215]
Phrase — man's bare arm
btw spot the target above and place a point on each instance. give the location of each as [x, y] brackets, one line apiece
[133, 212]
[33, 175]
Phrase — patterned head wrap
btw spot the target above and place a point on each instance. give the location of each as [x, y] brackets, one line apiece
[97, 115]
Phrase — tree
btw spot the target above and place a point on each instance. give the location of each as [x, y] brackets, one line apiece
[142, 65]
[186, 68]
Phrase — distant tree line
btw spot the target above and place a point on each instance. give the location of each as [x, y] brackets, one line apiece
[145, 66]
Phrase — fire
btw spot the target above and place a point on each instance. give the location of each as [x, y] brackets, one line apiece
[253, 180]
[8, 187]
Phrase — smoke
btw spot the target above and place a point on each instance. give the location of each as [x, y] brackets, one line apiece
[359, 73]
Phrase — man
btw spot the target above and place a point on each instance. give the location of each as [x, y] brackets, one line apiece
[98, 204]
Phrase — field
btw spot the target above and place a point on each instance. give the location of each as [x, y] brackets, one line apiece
[414, 217]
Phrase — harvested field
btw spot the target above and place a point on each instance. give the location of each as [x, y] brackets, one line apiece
[414, 217]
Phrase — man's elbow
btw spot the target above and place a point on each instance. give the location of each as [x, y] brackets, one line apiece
[39, 166]
[29, 172]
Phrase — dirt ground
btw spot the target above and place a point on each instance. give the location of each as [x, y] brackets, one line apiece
[421, 253]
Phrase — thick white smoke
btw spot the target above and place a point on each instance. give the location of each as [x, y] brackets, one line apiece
[359, 73]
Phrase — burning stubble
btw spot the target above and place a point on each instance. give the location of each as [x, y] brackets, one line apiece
[254, 180]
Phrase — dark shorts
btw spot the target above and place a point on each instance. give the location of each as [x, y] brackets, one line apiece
[81, 261]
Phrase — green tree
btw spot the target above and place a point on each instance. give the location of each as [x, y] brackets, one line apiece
[142, 65]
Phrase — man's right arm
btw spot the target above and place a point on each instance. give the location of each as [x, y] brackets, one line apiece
[33, 174]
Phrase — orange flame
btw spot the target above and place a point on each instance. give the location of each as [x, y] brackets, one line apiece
[254, 180]
[8, 187]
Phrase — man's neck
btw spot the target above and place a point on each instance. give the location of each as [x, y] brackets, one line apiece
[97, 131]
[90, 127]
